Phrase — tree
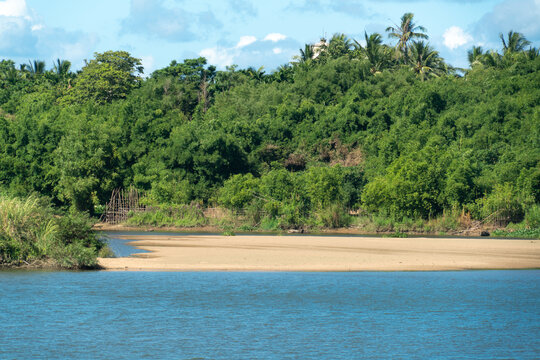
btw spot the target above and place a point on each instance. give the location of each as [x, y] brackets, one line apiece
[306, 54]
[61, 68]
[8, 73]
[406, 32]
[339, 45]
[193, 81]
[475, 56]
[36, 67]
[109, 76]
[254, 74]
[375, 52]
[515, 42]
[425, 61]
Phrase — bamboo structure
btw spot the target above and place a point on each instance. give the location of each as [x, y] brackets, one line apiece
[122, 203]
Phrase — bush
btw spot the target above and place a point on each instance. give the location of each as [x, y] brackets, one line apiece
[29, 232]
[502, 203]
[170, 215]
[333, 216]
[532, 217]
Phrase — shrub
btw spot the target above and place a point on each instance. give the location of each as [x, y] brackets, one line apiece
[333, 216]
[29, 232]
[502, 203]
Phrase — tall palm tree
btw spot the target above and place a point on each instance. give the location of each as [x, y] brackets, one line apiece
[532, 53]
[8, 73]
[36, 67]
[425, 61]
[61, 67]
[406, 32]
[516, 42]
[375, 52]
[492, 58]
[476, 56]
[255, 74]
[339, 45]
[307, 53]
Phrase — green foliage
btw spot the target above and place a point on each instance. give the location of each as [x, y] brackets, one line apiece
[397, 234]
[409, 188]
[502, 203]
[29, 233]
[532, 217]
[109, 76]
[238, 191]
[520, 234]
[389, 132]
[170, 215]
[333, 216]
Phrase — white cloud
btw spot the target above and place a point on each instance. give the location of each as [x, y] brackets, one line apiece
[455, 37]
[218, 56]
[517, 15]
[245, 41]
[23, 37]
[249, 51]
[15, 8]
[275, 37]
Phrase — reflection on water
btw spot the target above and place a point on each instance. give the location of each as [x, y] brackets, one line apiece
[228, 315]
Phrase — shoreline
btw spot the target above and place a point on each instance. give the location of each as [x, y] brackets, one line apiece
[209, 229]
[322, 254]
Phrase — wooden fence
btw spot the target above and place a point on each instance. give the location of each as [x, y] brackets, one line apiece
[122, 202]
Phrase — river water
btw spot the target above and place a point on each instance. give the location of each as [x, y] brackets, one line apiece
[270, 315]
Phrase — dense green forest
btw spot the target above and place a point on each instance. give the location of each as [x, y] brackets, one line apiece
[387, 131]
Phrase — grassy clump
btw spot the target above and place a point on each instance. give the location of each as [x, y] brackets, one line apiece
[30, 234]
[170, 215]
[520, 233]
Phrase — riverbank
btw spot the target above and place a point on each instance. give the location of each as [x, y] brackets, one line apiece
[323, 253]
[212, 229]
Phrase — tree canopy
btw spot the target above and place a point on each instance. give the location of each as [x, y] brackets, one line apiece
[356, 127]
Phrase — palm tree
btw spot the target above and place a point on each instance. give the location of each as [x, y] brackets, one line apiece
[61, 67]
[532, 53]
[476, 56]
[283, 73]
[307, 53]
[425, 61]
[492, 58]
[375, 52]
[255, 74]
[516, 42]
[406, 32]
[339, 45]
[8, 72]
[37, 67]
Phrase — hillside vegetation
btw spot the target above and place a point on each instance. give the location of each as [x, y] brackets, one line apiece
[389, 132]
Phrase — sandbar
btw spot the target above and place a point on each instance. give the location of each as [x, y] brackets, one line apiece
[323, 253]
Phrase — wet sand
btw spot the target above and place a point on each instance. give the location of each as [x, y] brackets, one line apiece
[323, 253]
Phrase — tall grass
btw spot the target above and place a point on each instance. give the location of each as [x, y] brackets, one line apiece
[30, 234]
[170, 215]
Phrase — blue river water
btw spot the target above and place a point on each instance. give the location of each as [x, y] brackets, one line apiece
[270, 315]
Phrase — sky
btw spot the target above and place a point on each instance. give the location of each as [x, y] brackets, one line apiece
[244, 32]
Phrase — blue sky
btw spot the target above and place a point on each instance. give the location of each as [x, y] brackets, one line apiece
[243, 32]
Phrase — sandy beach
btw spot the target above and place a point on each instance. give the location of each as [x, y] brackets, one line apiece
[323, 253]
